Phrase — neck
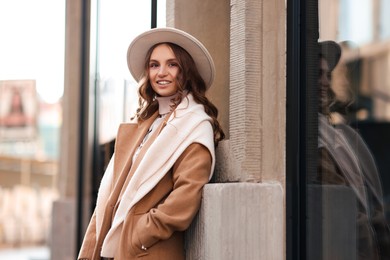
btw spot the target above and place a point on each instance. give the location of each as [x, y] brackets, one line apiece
[166, 104]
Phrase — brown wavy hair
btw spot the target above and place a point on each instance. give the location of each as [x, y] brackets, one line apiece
[188, 79]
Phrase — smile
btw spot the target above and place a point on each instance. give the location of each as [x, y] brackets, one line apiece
[163, 82]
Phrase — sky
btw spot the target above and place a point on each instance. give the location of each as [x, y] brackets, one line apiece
[32, 39]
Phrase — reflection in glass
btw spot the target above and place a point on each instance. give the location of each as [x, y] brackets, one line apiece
[353, 127]
[353, 147]
[345, 159]
[356, 20]
[385, 20]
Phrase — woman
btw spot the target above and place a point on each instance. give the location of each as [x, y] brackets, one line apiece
[152, 187]
[345, 159]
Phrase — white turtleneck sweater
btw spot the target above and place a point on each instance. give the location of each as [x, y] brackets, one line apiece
[165, 105]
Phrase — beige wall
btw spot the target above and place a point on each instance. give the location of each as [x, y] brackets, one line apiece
[247, 42]
[208, 21]
[247, 39]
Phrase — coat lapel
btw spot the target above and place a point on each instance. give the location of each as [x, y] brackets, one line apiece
[129, 137]
[141, 154]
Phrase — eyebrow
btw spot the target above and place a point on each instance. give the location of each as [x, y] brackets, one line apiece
[169, 60]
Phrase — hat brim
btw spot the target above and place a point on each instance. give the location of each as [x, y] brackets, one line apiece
[331, 51]
[139, 47]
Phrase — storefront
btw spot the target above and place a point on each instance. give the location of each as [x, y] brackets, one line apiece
[303, 171]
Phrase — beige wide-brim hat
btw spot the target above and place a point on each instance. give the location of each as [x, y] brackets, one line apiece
[331, 51]
[139, 47]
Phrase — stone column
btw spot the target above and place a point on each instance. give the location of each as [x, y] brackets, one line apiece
[257, 89]
[208, 21]
[64, 223]
[242, 215]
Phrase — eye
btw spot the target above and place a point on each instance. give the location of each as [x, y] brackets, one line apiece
[153, 65]
[173, 64]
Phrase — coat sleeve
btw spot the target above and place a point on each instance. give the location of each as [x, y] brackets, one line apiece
[327, 170]
[190, 173]
[89, 242]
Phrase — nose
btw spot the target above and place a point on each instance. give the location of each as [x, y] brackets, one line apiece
[324, 79]
[162, 71]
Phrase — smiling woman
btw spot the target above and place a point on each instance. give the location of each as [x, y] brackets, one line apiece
[163, 158]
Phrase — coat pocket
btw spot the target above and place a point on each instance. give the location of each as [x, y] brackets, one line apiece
[133, 238]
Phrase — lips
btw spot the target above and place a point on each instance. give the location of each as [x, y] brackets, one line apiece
[164, 82]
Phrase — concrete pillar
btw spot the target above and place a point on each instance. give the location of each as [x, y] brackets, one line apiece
[258, 89]
[238, 221]
[208, 21]
[63, 233]
[331, 222]
[64, 222]
[242, 220]
[328, 25]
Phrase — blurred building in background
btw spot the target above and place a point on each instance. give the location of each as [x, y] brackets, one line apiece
[31, 86]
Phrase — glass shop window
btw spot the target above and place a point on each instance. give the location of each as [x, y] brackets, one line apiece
[349, 198]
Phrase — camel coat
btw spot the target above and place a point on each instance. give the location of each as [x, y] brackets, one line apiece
[160, 218]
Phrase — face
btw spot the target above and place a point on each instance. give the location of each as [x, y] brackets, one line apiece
[163, 71]
[324, 81]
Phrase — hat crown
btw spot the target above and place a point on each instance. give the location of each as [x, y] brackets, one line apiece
[331, 51]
